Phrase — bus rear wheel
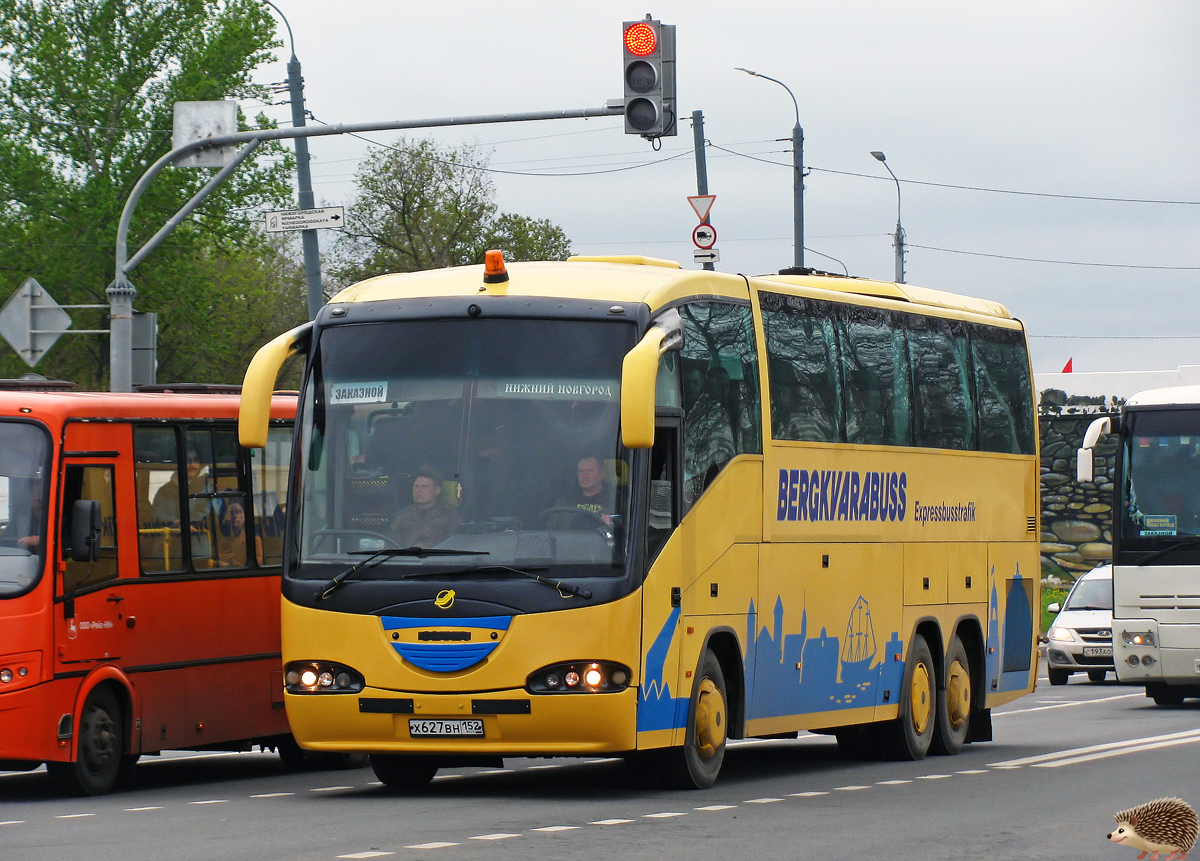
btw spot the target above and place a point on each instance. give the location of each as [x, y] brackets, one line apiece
[697, 763]
[954, 702]
[910, 735]
[100, 749]
[408, 773]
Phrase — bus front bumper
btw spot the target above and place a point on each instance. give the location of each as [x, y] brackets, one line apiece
[512, 723]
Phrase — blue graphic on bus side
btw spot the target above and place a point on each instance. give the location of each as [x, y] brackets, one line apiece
[840, 494]
[657, 709]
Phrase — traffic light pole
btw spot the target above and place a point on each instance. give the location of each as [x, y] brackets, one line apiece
[121, 293]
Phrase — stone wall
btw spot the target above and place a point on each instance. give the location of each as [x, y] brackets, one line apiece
[1076, 517]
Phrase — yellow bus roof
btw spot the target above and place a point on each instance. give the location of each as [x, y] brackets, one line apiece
[642, 279]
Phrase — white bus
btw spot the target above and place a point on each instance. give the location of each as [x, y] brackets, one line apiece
[1156, 540]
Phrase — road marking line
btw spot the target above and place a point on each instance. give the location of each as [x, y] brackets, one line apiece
[718, 807]
[74, 815]
[1064, 705]
[891, 782]
[450, 777]
[611, 822]
[931, 776]
[498, 771]
[366, 855]
[139, 809]
[1006, 767]
[973, 771]
[330, 788]
[542, 767]
[13, 822]
[850, 788]
[550, 829]
[1191, 734]
[809, 794]
[1138, 749]
[430, 845]
[500, 836]
[213, 801]
[272, 795]
[662, 815]
[761, 800]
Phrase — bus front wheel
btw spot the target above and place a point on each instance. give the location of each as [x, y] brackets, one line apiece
[100, 749]
[408, 773]
[909, 736]
[697, 763]
[954, 702]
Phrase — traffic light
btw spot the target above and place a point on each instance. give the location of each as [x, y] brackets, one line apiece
[649, 50]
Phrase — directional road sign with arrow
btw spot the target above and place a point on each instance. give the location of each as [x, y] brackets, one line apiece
[305, 219]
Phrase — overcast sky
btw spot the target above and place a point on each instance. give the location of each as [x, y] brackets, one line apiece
[1088, 98]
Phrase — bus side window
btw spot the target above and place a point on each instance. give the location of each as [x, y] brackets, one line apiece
[875, 364]
[269, 483]
[156, 477]
[1003, 390]
[663, 510]
[96, 483]
[803, 367]
[945, 412]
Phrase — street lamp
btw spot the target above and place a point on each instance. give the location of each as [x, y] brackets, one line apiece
[898, 239]
[797, 170]
[304, 192]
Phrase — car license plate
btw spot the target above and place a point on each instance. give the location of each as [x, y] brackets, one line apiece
[470, 728]
[1097, 651]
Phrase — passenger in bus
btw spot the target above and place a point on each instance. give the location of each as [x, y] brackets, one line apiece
[166, 506]
[231, 540]
[428, 521]
[591, 494]
[31, 541]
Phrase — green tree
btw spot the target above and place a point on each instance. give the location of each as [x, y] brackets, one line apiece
[423, 206]
[87, 89]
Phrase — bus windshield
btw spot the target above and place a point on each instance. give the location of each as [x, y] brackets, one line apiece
[497, 438]
[23, 476]
[1161, 478]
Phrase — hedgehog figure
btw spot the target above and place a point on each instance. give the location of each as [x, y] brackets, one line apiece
[1166, 825]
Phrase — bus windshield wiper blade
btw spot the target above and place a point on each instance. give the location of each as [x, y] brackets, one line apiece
[558, 585]
[1162, 550]
[377, 556]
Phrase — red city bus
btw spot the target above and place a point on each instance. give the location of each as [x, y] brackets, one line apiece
[140, 551]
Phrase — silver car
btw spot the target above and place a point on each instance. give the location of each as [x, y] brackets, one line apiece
[1081, 636]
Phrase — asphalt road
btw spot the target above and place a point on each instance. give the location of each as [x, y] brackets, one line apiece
[1063, 761]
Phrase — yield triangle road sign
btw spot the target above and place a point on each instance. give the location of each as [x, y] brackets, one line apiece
[702, 203]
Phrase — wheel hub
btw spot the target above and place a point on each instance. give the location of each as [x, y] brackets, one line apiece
[710, 719]
[958, 695]
[920, 696]
[98, 746]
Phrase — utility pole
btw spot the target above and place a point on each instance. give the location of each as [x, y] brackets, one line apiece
[304, 192]
[701, 163]
[898, 238]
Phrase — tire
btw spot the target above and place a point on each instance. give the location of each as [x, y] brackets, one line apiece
[1097, 675]
[1058, 677]
[1165, 695]
[407, 773]
[911, 734]
[100, 749]
[697, 763]
[954, 701]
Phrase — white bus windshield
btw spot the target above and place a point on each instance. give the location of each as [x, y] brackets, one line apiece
[1161, 472]
[495, 437]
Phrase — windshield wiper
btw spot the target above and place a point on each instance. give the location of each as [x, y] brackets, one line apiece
[1160, 551]
[557, 585]
[377, 556]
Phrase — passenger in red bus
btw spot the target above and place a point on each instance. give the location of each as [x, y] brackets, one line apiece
[428, 521]
[31, 541]
[231, 540]
[166, 501]
[592, 494]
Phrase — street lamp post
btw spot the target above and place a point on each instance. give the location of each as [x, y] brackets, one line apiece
[304, 192]
[797, 171]
[898, 239]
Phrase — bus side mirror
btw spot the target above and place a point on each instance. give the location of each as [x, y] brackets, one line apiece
[254, 413]
[639, 377]
[85, 530]
[1085, 469]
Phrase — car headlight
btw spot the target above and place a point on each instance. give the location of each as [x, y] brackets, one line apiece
[580, 677]
[321, 677]
[1062, 635]
[1138, 638]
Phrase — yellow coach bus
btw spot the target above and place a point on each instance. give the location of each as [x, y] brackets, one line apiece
[609, 506]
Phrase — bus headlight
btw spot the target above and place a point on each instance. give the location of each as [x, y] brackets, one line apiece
[1138, 638]
[321, 677]
[579, 677]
